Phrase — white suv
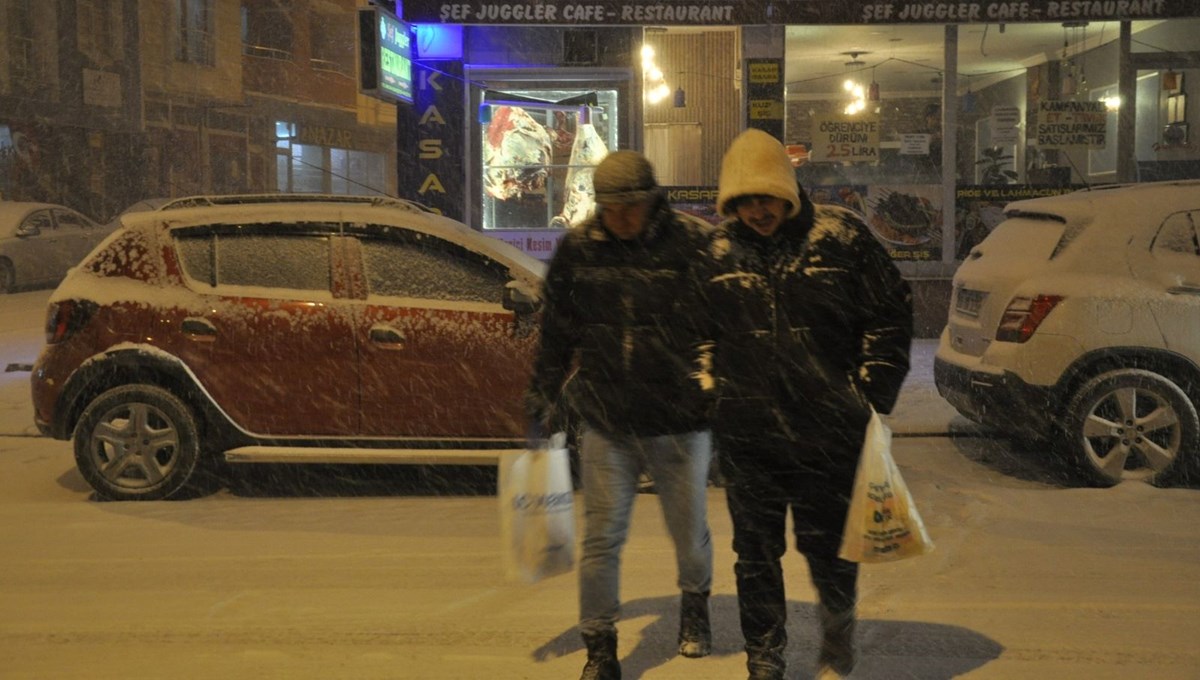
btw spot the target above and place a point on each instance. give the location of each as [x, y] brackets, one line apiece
[1076, 323]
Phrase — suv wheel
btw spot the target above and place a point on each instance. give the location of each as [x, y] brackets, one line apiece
[1131, 423]
[137, 442]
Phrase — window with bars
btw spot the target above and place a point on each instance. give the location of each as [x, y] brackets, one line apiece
[197, 44]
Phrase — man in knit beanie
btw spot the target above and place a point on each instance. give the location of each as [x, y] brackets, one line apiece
[618, 310]
[810, 326]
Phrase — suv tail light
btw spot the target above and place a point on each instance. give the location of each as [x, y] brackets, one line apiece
[1023, 316]
[64, 318]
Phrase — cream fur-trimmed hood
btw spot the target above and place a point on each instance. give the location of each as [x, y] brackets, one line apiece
[756, 163]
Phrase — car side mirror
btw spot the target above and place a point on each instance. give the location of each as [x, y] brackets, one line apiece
[27, 230]
[521, 298]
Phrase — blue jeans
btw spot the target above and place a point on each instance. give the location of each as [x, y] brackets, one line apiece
[678, 464]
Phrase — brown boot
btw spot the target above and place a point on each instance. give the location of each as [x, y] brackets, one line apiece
[837, 643]
[695, 632]
[602, 663]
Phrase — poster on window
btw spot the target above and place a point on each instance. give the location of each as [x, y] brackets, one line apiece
[979, 208]
[907, 219]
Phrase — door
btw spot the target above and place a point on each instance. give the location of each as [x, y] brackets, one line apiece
[79, 234]
[441, 357]
[1174, 267]
[270, 343]
[39, 254]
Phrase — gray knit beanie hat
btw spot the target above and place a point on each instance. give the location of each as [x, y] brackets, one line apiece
[624, 177]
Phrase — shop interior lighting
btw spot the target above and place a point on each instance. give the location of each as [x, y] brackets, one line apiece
[654, 83]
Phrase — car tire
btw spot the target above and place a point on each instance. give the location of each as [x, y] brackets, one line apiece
[8, 277]
[1131, 423]
[138, 442]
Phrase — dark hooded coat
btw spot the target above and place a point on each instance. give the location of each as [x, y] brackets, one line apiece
[810, 329]
[619, 313]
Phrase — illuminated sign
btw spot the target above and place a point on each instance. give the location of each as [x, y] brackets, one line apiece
[385, 55]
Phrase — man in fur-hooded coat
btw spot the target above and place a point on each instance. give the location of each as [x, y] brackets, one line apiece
[811, 325]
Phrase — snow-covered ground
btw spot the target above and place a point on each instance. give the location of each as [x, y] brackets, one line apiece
[404, 580]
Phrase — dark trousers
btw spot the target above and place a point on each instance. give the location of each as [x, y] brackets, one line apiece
[758, 505]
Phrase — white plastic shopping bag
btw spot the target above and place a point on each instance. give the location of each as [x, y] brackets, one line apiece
[537, 512]
[883, 524]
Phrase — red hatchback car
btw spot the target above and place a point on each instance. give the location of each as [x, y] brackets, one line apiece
[315, 329]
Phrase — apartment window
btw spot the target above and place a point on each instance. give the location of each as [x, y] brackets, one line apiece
[196, 28]
[333, 45]
[20, 41]
[99, 30]
[267, 30]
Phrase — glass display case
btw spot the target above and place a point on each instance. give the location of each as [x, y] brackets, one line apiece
[538, 151]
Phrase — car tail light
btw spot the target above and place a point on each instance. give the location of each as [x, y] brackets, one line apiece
[1024, 315]
[64, 318]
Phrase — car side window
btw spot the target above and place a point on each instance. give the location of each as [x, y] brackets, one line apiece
[37, 223]
[295, 261]
[1178, 235]
[70, 220]
[429, 268]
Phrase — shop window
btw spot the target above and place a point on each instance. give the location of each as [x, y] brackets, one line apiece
[308, 168]
[538, 158]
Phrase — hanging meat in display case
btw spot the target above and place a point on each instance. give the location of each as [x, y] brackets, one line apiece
[538, 159]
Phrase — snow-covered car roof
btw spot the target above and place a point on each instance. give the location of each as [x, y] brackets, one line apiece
[1115, 203]
[387, 212]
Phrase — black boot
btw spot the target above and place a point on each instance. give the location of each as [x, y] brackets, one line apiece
[695, 633]
[602, 663]
[837, 643]
[764, 659]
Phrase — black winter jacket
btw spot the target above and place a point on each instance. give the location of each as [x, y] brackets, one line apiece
[619, 312]
[810, 327]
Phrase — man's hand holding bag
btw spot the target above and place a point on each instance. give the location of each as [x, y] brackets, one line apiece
[537, 511]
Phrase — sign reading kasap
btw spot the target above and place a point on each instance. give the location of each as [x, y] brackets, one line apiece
[845, 138]
[1066, 124]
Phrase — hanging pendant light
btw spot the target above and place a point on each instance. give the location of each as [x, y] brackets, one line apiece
[873, 88]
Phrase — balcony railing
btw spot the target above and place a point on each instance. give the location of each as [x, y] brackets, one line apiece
[264, 52]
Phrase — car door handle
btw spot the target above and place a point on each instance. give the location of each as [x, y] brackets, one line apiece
[383, 334]
[1185, 289]
[199, 329]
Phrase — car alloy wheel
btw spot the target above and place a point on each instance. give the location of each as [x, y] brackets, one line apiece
[137, 442]
[1131, 423]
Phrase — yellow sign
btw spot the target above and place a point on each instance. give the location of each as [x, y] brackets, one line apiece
[766, 109]
[764, 72]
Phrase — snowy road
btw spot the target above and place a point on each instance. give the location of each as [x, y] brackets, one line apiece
[273, 580]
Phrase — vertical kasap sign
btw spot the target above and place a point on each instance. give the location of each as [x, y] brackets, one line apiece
[385, 55]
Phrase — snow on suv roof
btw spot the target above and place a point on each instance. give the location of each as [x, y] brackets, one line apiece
[1114, 200]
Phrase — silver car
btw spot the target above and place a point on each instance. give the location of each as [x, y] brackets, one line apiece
[39, 242]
